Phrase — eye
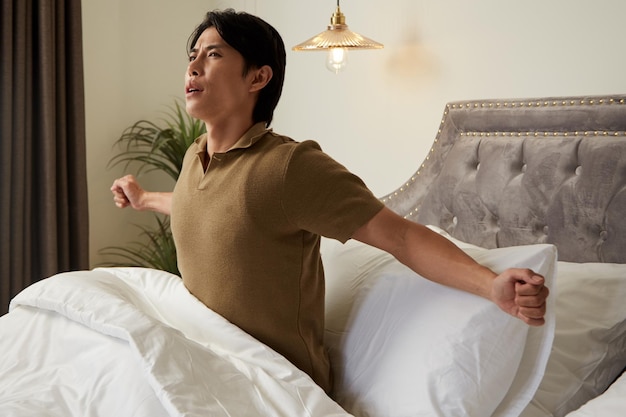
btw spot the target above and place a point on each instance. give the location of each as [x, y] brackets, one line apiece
[192, 58]
[214, 54]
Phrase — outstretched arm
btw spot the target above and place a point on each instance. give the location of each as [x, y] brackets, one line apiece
[519, 292]
[127, 192]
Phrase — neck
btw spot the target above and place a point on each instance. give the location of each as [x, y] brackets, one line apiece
[222, 136]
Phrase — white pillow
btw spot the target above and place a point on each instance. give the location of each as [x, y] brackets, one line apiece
[590, 338]
[403, 346]
[589, 348]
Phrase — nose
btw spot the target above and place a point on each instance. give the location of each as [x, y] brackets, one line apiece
[192, 69]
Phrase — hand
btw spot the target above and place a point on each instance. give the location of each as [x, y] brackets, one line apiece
[127, 192]
[522, 294]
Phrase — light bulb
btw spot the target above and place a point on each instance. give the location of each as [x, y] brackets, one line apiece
[337, 59]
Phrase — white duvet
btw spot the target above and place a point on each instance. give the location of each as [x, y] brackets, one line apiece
[140, 345]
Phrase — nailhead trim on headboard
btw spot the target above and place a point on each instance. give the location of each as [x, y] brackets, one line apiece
[546, 134]
[539, 103]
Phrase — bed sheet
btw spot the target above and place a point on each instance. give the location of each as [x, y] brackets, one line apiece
[139, 345]
[612, 403]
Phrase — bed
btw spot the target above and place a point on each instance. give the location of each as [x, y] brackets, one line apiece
[538, 183]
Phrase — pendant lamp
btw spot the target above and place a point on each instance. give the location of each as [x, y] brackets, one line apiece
[337, 39]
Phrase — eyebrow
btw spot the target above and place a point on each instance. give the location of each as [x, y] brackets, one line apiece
[208, 47]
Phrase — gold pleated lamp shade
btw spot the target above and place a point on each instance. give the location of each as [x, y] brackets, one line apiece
[337, 36]
[337, 39]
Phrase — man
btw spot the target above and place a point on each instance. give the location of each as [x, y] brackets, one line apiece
[249, 207]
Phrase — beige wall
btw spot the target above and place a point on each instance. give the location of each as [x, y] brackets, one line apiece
[382, 113]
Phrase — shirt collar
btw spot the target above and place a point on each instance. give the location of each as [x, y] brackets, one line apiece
[256, 132]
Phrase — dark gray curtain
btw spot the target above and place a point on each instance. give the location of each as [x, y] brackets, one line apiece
[43, 183]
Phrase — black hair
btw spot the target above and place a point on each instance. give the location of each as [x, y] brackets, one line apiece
[259, 44]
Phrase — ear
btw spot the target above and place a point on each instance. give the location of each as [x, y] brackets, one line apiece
[261, 76]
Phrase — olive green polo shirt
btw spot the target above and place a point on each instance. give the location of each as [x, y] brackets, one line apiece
[247, 232]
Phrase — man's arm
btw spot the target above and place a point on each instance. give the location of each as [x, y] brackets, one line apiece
[519, 292]
[127, 192]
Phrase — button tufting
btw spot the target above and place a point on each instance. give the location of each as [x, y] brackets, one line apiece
[524, 167]
[604, 235]
[455, 220]
[579, 169]
[545, 230]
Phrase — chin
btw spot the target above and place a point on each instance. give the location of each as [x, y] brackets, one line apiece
[192, 110]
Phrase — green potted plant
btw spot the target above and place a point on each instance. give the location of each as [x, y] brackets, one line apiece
[151, 146]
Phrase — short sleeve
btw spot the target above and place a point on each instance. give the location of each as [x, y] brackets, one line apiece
[321, 196]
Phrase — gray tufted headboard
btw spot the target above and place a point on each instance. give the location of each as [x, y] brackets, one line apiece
[513, 172]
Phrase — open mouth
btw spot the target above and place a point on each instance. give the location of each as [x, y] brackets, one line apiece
[191, 88]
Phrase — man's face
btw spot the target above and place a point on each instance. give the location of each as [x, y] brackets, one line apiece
[215, 88]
